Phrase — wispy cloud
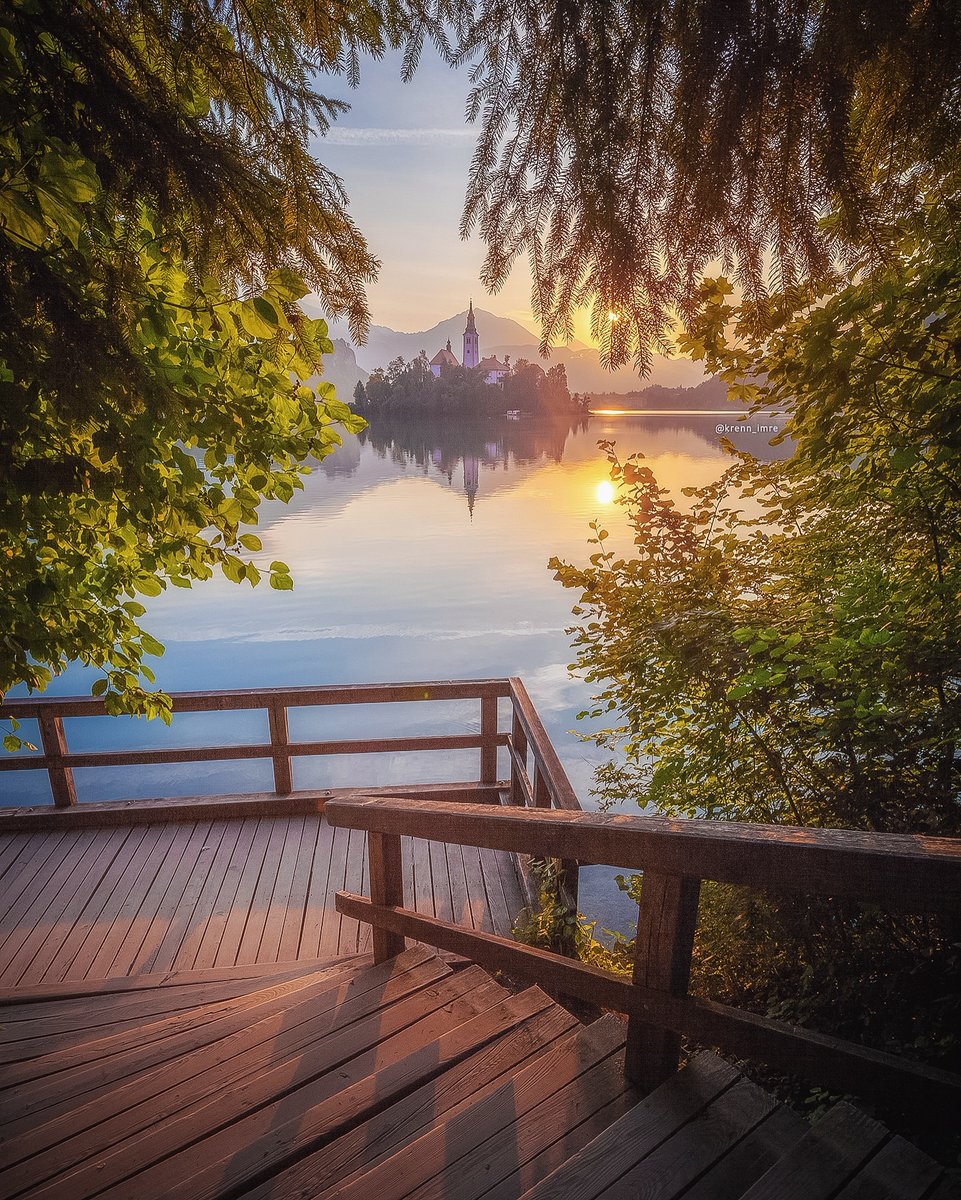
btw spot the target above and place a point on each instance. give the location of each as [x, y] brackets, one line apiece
[345, 136]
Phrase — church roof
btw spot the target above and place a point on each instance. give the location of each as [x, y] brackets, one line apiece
[444, 358]
[471, 327]
[492, 363]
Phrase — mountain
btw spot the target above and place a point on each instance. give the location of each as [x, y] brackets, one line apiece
[341, 369]
[500, 336]
[709, 395]
[384, 344]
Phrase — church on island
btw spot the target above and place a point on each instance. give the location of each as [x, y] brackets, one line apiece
[494, 370]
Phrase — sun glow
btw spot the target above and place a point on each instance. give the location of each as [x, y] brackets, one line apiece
[605, 492]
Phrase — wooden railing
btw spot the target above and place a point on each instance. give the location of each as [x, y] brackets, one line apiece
[528, 745]
[917, 874]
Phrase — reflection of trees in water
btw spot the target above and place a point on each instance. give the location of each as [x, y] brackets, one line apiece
[449, 444]
[444, 444]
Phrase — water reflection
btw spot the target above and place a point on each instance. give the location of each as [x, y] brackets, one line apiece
[459, 449]
[419, 551]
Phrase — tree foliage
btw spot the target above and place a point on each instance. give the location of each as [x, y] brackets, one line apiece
[412, 388]
[160, 216]
[786, 645]
[625, 148]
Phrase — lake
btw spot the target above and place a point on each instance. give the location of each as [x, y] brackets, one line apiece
[419, 551]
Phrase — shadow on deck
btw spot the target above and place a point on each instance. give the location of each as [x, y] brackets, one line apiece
[106, 901]
[199, 1002]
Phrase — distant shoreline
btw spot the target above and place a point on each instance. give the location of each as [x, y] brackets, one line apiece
[685, 412]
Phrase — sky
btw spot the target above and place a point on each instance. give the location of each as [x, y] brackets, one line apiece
[403, 152]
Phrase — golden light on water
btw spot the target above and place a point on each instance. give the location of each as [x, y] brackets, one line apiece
[605, 492]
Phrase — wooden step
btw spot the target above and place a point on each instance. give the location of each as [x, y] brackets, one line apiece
[60, 1073]
[195, 1091]
[848, 1155]
[503, 1132]
[401, 1081]
[40, 1027]
[445, 1098]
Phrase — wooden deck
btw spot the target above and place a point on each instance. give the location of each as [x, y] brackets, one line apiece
[400, 1081]
[211, 998]
[145, 899]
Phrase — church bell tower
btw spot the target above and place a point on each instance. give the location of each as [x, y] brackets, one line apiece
[471, 340]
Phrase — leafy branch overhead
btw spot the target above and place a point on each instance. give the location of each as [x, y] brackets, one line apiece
[152, 350]
[625, 148]
[783, 644]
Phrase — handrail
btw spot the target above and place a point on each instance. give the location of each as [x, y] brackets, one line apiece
[902, 871]
[547, 764]
[911, 872]
[60, 762]
[547, 785]
[218, 700]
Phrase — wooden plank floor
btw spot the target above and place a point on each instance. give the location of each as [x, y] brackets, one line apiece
[351, 1080]
[102, 902]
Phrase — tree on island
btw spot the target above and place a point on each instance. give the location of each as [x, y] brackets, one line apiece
[412, 388]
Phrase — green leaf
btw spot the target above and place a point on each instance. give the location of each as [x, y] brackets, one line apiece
[287, 285]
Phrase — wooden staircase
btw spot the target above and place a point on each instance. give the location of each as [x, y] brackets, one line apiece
[404, 1079]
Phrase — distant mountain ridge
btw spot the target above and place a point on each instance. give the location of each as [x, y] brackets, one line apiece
[341, 369]
[711, 394]
[500, 336]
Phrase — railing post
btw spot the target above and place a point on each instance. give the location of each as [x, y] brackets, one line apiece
[54, 740]
[542, 795]
[570, 878]
[519, 745]
[279, 741]
[667, 920]
[386, 888]
[488, 754]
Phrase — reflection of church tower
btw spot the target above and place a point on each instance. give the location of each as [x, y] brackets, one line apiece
[471, 340]
[471, 480]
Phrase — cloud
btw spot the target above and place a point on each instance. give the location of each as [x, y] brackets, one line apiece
[345, 136]
[355, 632]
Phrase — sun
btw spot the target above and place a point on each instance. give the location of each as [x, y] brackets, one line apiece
[605, 492]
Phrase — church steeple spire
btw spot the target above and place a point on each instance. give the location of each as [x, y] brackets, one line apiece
[471, 340]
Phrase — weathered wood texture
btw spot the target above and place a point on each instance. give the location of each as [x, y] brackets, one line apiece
[400, 1081]
[667, 921]
[59, 761]
[306, 1086]
[708, 1134]
[102, 901]
[842, 1066]
[675, 855]
[548, 765]
[909, 872]
[239, 804]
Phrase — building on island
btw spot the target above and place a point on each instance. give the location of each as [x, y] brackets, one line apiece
[471, 340]
[494, 370]
[442, 359]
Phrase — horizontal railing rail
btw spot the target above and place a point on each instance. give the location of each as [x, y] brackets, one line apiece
[546, 784]
[59, 761]
[903, 872]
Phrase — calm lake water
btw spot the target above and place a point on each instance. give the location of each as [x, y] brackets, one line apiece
[419, 552]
